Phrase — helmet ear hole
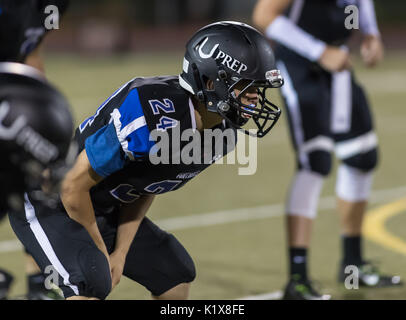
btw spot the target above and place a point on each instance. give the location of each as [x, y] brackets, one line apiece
[207, 83]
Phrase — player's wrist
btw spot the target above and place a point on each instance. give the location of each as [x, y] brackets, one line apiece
[120, 253]
[370, 36]
[318, 51]
[368, 23]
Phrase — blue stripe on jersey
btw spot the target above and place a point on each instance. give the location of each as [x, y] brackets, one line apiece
[134, 137]
[131, 108]
[139, 143]
[104, 151]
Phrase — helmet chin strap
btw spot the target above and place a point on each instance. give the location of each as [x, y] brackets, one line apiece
[211, 97]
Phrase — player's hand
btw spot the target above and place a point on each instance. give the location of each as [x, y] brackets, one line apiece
[372, 50]
[117, 261]
[335, 59]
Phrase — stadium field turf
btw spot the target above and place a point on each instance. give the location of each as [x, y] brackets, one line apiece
[240, 250]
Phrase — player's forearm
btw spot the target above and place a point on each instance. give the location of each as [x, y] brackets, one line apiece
[79, 207]
[368, 24]
[266, 11]
[298, 40]
[75, 196]
[268, 16]
[129, 222]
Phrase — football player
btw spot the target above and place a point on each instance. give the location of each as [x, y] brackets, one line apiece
[22, 30]
[99, 231]
[35, 132]
[328, 111]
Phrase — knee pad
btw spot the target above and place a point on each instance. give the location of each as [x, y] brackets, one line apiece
[364, 161]
[320, 162]
[96, 272]
[353, 185]
[304, 194]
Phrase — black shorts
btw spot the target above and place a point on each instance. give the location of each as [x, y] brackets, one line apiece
[155, 259]
[326, 111]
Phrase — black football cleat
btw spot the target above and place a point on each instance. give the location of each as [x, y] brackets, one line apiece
[299, 289]
[369, 276]
[5, 283]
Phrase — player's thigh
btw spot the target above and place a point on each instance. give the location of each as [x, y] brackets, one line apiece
[306, 94]
[358, 147]
[63, 249]
[361, 115]
[157, 260]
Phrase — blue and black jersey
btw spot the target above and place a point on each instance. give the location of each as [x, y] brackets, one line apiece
[118, 144]
[22, 26]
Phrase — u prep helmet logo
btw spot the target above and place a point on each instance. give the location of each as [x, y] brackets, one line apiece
[226, 60]
[26, 137]
[10, 132]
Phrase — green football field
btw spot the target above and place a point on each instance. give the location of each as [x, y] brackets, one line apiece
[233, 225]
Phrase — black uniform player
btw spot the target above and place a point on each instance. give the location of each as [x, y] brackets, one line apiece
[327, 111]
[99, 231]
[35, 132]
[22, 29]
[22, 26]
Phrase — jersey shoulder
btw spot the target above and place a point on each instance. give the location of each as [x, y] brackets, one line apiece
[158, 92]
[164, 103]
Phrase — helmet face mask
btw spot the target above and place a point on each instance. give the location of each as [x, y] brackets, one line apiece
[263, 112]
[238, 61]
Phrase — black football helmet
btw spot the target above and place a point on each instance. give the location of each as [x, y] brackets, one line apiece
[232, 55]
[36, 128]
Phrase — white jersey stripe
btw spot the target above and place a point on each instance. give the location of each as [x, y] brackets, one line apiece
[133, 126]
[292, 102]
[341, 102]
[361, 144]
[192, 114]
[185, 85]
[127, 130]
[318, 143]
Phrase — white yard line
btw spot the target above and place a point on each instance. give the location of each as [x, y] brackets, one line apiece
[260, 212]
[236, 215]
[276, 295]
[9, 246]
